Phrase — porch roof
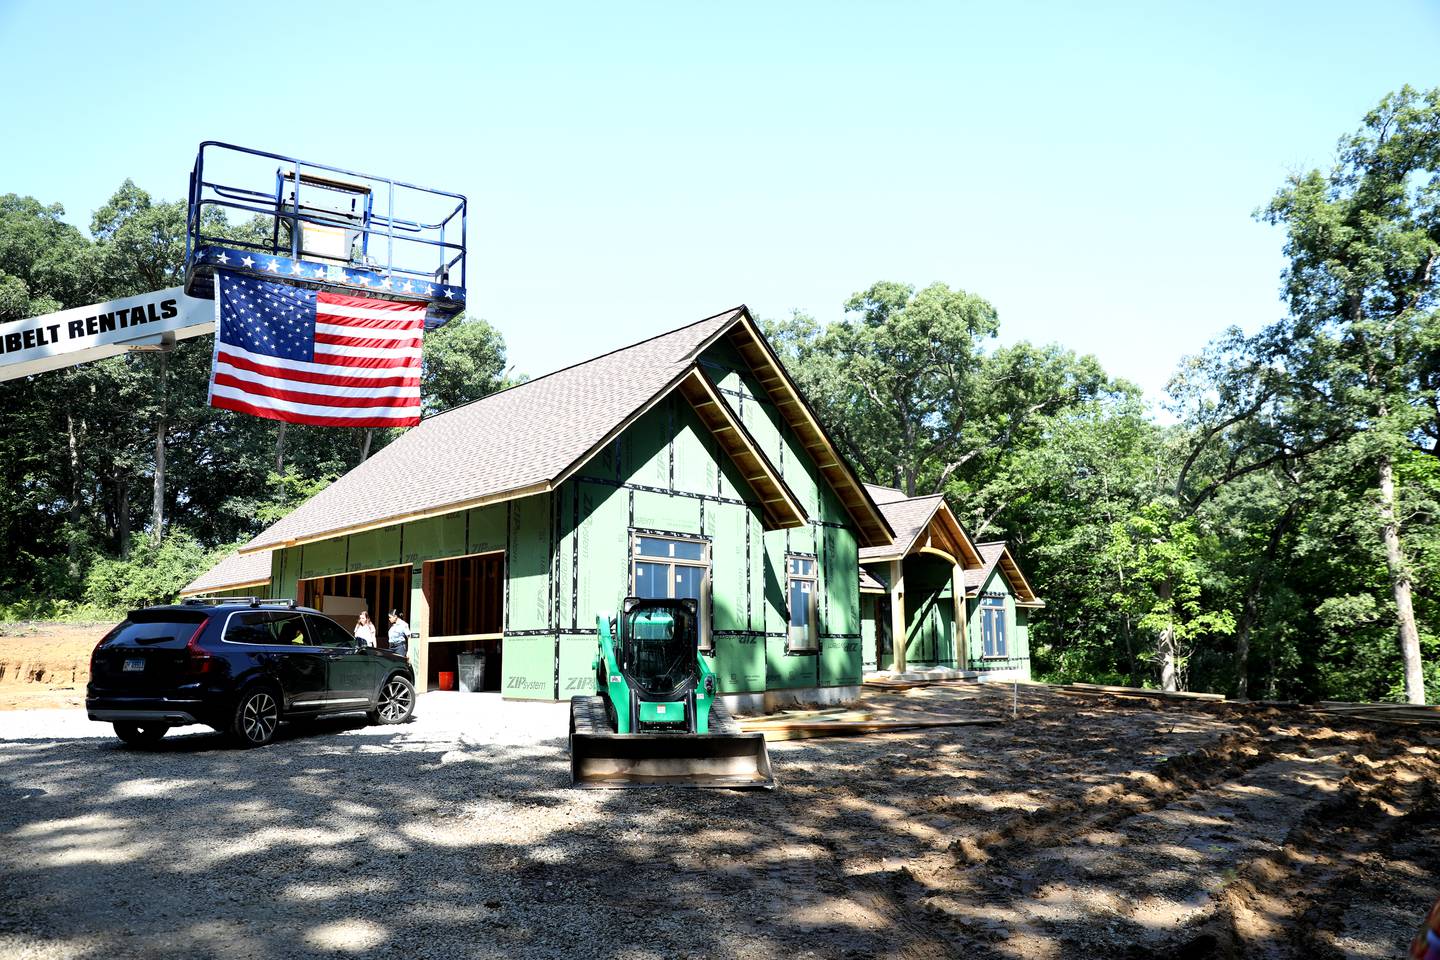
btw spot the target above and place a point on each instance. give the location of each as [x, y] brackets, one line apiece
[996, 553]
[919, 523]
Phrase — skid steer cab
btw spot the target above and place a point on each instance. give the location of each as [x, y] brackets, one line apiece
[655, 719]
[649, 669]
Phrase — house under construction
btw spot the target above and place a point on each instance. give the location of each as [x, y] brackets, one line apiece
[686, 465]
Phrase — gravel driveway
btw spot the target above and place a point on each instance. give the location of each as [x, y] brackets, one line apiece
[457, 835]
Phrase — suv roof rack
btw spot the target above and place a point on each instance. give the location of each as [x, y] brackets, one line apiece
[252, 601]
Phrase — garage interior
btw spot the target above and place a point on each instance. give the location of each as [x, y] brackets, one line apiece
[466, 596]
[382, 590]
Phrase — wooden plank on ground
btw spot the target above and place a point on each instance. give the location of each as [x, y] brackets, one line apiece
[1140, 691]
[1347, 706]
[811, 730]
[899, 685]
[807, 717]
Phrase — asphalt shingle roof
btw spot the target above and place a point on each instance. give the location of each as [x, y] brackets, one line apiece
[236, 570]
[506, 442]
[990, 553]
[907, 517]
[884, 494]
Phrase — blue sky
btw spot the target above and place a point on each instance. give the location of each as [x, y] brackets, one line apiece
[1089, 168]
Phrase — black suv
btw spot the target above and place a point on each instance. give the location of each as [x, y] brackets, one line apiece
[240, 666]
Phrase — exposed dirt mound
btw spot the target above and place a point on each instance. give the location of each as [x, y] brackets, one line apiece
[46, 664]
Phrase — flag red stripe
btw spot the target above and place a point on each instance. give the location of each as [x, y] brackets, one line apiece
[374, 363]
[374, 323]
[305, 376]
[228, 403]
[369, 303]
[334, 339]
[317, 399]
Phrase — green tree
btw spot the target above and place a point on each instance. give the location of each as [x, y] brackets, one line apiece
[464, 360]
[1362, 284]
[906, 385]
[1164, 556]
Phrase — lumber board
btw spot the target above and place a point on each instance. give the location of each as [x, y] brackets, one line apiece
[911, 684]
[1347, 706]
[811, 717]
[1140, 691]
[811, 730]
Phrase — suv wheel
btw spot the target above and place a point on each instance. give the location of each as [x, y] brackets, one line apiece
[257, 715]
[141, 734]
[396, 703]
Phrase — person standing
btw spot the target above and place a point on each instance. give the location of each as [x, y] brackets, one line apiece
[365, 629]
[399, 634]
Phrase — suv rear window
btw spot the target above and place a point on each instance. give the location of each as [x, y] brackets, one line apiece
[267, 627]
[167, 629]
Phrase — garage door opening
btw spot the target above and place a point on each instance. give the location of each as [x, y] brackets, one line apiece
[344, 595]
[466, 596]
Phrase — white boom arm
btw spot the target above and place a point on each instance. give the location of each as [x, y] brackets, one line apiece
[151, 321]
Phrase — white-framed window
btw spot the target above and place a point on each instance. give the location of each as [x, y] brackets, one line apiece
[673, 567]
[802, 592]
[994, 644]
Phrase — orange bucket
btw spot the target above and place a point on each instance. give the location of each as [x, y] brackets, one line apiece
[447, 679]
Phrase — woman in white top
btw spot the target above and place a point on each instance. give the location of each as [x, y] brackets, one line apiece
[365, 630]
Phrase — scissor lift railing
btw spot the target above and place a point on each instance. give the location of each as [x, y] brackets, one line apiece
[395, 241]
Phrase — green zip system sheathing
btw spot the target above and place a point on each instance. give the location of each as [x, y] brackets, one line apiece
[829, 538]
[568, 551]
[1017, 628]
[929, 612]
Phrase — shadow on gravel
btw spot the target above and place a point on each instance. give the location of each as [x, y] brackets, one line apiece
[416, 843]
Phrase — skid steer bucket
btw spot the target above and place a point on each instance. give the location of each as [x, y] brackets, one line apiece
[602, 759]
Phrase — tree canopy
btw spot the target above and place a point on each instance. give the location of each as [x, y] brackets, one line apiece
[83, 446]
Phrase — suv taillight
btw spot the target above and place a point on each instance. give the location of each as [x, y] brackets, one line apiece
[95, 654]
[197, 661]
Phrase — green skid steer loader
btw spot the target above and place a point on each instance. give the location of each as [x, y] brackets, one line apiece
[656, 720]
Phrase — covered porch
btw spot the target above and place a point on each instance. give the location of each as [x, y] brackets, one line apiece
[914, 589]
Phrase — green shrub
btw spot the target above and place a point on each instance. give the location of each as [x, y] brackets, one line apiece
[65, 611]
[154, 573]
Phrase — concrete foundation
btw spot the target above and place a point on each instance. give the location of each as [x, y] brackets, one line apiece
[926, 673]
[771, 700]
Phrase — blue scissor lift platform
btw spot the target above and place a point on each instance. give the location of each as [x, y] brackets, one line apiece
[314, 225]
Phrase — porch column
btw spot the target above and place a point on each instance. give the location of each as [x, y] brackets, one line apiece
[962, 623]
[419, 652]
[897, 614]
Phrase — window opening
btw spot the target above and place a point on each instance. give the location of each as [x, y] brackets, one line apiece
[802, 588]
[994, 642]
[673, 568]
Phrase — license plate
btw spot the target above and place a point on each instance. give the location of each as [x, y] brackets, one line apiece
[134, 666]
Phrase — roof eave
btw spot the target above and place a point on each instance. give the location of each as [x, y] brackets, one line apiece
[192, 589]
[874, 530]
[516, 493]
[781, 509]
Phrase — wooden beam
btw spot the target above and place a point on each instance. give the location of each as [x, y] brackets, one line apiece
[897, 615]
[808, 730]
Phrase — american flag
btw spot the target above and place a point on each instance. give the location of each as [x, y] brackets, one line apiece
[314, 356]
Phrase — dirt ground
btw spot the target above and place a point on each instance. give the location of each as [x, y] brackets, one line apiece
[1086, 826]
[46, 664]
